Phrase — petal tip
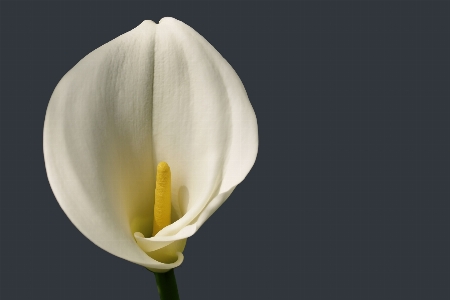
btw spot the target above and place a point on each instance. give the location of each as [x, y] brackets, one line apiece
[148, 22]
[168, 19]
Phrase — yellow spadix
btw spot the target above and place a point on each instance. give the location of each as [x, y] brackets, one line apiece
[162, 209]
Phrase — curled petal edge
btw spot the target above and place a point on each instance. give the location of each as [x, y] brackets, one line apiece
[157, 242]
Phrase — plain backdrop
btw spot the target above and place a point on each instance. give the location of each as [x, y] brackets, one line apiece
[349, 195]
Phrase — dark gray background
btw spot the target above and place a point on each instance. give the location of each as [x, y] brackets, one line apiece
[349, 196]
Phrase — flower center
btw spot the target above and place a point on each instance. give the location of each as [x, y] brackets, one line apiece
[162, 211]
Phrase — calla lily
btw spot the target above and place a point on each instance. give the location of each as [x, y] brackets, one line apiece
[159, 92]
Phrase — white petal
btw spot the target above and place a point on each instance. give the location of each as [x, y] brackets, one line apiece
[158, 92]
[203, 123]
[98, 144]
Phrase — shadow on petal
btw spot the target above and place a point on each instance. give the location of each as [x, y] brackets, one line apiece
[183, 200]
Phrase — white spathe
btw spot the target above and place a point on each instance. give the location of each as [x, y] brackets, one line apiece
[159, 92]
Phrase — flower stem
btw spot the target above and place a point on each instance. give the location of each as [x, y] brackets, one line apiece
[167, 285]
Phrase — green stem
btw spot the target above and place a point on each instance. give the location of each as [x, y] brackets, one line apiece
[167, 285]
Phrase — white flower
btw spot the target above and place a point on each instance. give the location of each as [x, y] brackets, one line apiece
[159, 92]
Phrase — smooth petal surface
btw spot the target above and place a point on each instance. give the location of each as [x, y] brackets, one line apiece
[157, 93]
